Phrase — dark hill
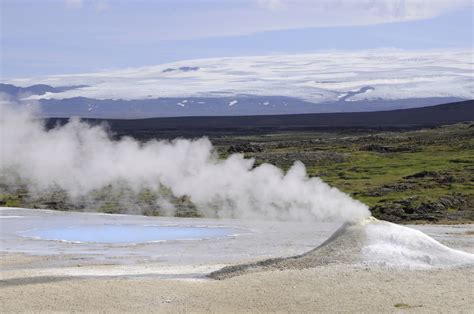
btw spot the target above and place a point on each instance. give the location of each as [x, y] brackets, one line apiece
[394, 119]
[38, 89]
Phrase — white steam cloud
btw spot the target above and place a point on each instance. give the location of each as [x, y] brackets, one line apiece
[80, 159]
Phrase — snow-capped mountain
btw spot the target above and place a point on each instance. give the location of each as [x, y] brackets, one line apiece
[324, 82]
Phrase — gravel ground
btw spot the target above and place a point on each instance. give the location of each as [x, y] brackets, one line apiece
[45, 276]
[321, 289]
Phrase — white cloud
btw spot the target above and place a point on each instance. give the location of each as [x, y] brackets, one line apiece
[360, 12]
[74, 4]
[172, 20]
[252, 16]
[400, 10]
[272, 5]
[101, 6]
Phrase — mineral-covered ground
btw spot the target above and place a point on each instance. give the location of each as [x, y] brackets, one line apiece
[46, 276]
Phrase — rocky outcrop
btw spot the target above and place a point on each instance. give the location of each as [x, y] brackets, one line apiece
[245, 148]
[454, 207]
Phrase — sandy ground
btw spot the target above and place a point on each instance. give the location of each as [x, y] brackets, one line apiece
[47, 276]
[321, 289]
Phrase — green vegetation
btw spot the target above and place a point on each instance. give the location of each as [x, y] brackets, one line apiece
[10, 200]
[401, 305]
[406, 306]
[421, 175]
[404, 176]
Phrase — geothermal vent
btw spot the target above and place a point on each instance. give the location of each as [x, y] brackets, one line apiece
[370, 242]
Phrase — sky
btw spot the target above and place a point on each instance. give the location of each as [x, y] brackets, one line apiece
[45, 37]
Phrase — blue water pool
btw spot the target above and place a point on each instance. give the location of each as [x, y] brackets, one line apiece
[127, 233]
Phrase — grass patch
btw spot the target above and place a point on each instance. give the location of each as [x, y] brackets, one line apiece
[401, 306]
[430, 169]
[377, 177]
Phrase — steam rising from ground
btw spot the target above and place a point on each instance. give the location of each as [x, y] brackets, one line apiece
[83, 159]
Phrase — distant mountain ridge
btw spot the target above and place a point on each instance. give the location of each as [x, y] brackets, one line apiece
[16, 91]
[403, 118]
[37, 89]
[218, 106]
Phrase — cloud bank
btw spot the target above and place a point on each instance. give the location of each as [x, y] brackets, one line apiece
[225, 18]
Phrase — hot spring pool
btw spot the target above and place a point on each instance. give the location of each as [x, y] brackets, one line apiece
[128, 233]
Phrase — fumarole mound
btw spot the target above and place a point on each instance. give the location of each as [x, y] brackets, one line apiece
[370, 242]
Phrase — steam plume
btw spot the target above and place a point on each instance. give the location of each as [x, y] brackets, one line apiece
[80, 159]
